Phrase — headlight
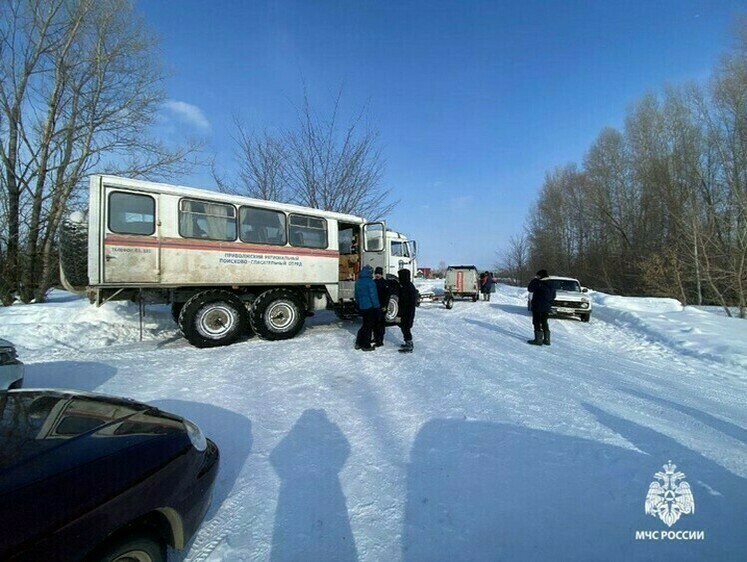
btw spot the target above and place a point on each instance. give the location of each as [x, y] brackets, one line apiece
[7, 355]
[584, 305]
[195, 436]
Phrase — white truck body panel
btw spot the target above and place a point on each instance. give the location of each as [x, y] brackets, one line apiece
[162, 257]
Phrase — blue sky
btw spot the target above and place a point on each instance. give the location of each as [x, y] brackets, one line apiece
[474, 101]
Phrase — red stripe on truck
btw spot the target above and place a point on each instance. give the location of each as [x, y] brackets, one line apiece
[214, 246]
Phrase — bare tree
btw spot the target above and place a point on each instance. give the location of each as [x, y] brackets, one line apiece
[440, 271]
[514, 260]
[263, 166]
[79, 86]
[321, 163]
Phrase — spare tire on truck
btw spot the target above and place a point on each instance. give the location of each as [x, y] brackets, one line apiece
[74, 252]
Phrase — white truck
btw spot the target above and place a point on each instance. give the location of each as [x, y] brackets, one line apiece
[224, 262]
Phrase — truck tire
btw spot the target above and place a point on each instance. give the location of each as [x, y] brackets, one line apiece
[449, 302]
[277, 314]
[392, 310]
[213, 318]
[74, 252]
[176, 310]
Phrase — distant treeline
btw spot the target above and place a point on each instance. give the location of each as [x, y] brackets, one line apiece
[659, 208]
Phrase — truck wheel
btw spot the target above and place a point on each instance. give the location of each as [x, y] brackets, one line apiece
[475, 297]
[449, 302]
[392, 310]
[213, 318]
[277, 314]
[176, 310]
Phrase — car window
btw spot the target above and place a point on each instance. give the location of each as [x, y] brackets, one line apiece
[568, 285]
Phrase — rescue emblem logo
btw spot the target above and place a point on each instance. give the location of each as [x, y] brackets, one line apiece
[669, 496]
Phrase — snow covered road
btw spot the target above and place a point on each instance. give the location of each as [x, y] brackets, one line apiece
[475, 447]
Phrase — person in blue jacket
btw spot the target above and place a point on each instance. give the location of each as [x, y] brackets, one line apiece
[543, 295]
[367, 300]
[486, 285]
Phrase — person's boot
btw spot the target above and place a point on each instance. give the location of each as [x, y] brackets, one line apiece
[538, 339]
[408, 347]
[547, 338]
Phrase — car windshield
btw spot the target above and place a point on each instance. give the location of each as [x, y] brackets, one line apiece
[570, 285]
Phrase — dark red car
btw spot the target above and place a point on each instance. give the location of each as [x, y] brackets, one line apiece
[85, 477]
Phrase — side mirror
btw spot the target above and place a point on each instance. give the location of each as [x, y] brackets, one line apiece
[584, 290]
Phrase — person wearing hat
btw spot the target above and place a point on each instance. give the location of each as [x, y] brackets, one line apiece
[382, 290]
[408, 300]
[367, 301]
[543, 295]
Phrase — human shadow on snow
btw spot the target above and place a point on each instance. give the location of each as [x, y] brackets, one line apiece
[311, 519]
[490, 491]
[75, 375]
[513, 309]
[497, 328]
[727, 428]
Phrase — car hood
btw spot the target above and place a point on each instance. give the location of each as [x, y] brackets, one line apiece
[570, 295]
[73, 428]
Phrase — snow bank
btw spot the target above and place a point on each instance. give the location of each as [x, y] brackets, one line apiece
[687, 329]
[68, 321]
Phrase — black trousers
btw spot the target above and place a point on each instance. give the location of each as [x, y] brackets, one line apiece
[539, 320]
[406, 331]
[365, 332]
[379, 327]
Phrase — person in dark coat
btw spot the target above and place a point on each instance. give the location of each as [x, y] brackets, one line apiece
[486, 285]
[543, 295]
[367, 301]
[408, 300]
[382, 290]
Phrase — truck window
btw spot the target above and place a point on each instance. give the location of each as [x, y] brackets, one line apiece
[373, 234]
[132, 214]
[262, 226]
[399, 249]
[212, 221]
[307, 232]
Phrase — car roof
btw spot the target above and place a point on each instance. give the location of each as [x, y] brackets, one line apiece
[564, 278]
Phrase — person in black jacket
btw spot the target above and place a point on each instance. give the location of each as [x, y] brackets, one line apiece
[408, 299]
[543, 295]
[382, 289]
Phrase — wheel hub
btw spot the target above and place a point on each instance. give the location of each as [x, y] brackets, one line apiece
[281, 315]
[214, 321]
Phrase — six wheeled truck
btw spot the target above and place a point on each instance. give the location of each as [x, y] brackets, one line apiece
[225, 263]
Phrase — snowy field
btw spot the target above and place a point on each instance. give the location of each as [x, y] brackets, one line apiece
[476, 447]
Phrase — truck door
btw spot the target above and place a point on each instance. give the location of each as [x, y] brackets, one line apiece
[129, 242]
[374, 247]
